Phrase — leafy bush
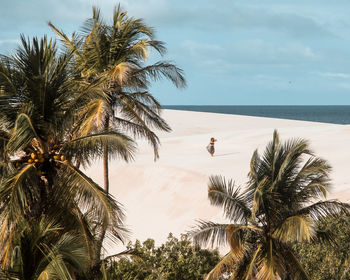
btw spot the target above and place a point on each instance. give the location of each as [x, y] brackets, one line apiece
[176, 259]
[324, 261]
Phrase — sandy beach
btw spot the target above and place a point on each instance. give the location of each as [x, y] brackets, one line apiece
[169, 195]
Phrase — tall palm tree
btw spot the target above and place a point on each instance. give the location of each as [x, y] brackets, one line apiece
[281, 204]
[40, 146]
[115, 55]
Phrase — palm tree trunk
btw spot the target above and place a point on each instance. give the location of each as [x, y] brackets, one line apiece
[105, 169]
[105, 159]
[101, 236]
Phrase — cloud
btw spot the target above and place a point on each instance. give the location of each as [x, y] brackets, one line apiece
[195, 48]
[225, 17]
[334, 75]
[288, 23]
[248, 52]
[9, 41]
[228, 16]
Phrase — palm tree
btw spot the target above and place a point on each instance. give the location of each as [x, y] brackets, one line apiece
[41, 251]
[115, 55]
[40, 147]
[281, 204]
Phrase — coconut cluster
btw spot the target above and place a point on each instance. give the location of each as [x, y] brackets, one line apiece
[39, 157]
[36, 158]
[56, 155]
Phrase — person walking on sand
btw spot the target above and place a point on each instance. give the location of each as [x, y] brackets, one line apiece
[210, 147]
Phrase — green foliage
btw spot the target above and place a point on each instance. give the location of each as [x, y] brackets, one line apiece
[176, 259]
[323, 261]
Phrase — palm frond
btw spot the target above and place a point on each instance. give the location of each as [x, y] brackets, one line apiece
[91, 196]
[90, 147]
[149, 134]
[129, 253]
[223, 266]
[70, 44]
[17, 192]
[312, 180]
[235, 235]
[258, 201]
[165, 69]
[267, 264]
[22, 135]
[118, 72]
[322, 209]
[230, 198]
[56, 268]
[324, 236]
[209, 233]
[251, 267]
[295, 228]
[292, 152]
[142, 108]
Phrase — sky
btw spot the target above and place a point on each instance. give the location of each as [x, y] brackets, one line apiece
[233, 52]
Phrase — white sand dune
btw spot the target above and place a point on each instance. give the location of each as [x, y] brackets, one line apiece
[170, 194]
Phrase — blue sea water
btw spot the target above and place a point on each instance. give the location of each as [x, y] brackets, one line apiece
[326, 114]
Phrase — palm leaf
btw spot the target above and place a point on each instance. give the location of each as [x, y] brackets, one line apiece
[150, 135]
[322, 209]
[91, 196]
[295, 228]
[223, 266]
[17, 192]
[91, 146]
[165, 69]
[267, 264]
[23, 134]
[209, 233]
[226, 195]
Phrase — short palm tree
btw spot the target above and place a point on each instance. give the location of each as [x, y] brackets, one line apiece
[281, 204]
[41, 251]
[115, 56]
[40, 145]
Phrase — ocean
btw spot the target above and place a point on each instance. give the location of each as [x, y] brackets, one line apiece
[326, 114]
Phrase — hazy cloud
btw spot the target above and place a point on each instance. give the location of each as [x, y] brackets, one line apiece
[335, 75]
[9, 41]
[250, 52]
[227, 16]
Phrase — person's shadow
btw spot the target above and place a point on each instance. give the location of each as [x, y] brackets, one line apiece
[227, 154]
